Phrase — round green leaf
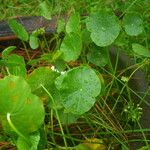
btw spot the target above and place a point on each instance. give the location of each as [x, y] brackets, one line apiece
[104, 27]
[78, 102]
[71, 47]
[133, 24]
[25, 109]
[44, 76]
[78, 88]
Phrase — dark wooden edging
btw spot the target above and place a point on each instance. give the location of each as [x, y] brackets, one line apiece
[30, 23]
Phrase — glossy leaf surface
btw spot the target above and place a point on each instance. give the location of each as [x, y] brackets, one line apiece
[78, 88]
[133, 24]
[104, 27]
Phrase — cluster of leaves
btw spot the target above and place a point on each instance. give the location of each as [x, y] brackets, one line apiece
[73, 93]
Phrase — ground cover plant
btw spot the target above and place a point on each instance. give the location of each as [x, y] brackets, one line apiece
[83, 86]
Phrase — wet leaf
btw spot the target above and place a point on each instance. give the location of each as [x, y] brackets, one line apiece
[97, 56]
[133, 24]
[78, 88]
[104, 27]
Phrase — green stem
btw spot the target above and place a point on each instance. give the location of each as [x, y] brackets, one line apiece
[16, 130]
[112, 72]
[8, 71]
[61, 128]
[26, 50]
[52, 127]
[128, 8]
[124, 86]
[143, 134]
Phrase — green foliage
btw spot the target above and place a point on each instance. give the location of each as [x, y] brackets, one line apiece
[18, 30]
[133, 24]
[60, 25]
[42, 76]
[33, 138]
[6, 51]
[71, 47]
[133, 112]
[82, 147]
[79, 94]
[97, 56]
[72, 44]
[104, 27]
[70, 75]
[140, 50]
[14, 63]
[33, 40]
[45, 9]
[67, 118]
[17, 101]
[73, 24]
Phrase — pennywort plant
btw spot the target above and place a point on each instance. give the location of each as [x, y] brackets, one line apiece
[72, 84]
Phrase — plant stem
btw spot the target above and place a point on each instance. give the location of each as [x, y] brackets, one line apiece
[143, 134]
[128, 8]
[26, 50]
[52, 127]
[112, 72]
[53, 101]
[8, 71]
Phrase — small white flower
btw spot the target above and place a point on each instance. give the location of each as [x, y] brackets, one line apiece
[63, 72]
[54, 69]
